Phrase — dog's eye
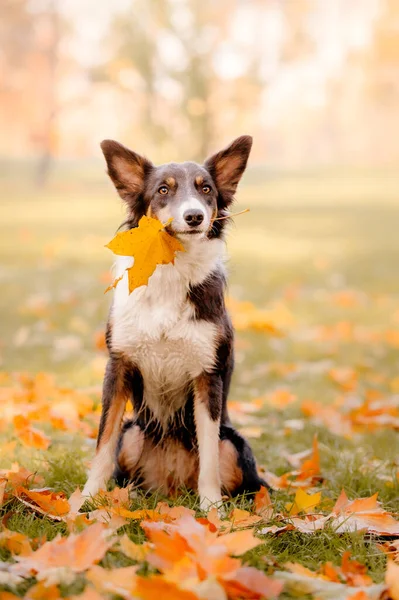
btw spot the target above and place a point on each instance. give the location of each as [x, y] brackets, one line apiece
[206, 189]
[163, 190]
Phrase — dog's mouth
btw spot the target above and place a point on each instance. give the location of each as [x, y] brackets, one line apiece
[185, 231]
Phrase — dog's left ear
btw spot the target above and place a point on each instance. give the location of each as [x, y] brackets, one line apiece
[227, 166]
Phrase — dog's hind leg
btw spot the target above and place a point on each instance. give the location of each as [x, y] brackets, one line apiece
[116, 391]
[129, 452]
[239, 473]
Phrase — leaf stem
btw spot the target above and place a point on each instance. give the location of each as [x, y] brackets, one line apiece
[232, 215]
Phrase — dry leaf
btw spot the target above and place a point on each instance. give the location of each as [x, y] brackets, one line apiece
[362, 514]
[303, 502]
[40, 591]
[77, 552]
[306, 476]
[158, 587]
[120, 582]
[150, 245]
[392, 579]
[44, 500]
[28, 435]
[15, 542]
[301, 583]
[263, 503]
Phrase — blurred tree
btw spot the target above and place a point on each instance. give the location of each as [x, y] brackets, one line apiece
[298, 42]
[29, 41]
[171, 45]
[16, 35]
[50, 41]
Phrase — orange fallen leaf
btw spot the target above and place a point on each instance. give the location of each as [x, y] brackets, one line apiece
[150, 245]
[119, 582]
[281, 398]
[306, 476]
[239, 542]
[263, 503]
[158, 587]
[362, 514]
[345, 377]
[392, 579]
[52, 503]
[137, 552]
[15, 542]
[88, 594]
[18, 475]
[248, 582]
[185, 550]
[78, 552]
[311, 466]
[3, 483]
[354, 572]
[361, 595]
[28, 435]
[40, 591]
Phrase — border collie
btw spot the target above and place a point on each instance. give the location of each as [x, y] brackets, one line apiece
[171, 342]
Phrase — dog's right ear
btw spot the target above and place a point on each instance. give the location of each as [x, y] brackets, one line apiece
[128, 172]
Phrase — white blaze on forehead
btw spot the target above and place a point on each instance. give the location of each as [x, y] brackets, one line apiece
[191, 203]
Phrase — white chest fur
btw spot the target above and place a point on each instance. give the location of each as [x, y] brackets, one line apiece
[155, 328]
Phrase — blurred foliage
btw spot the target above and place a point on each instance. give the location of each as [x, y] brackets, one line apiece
[315, 81]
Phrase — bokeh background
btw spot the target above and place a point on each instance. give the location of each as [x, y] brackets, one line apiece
[316, 82]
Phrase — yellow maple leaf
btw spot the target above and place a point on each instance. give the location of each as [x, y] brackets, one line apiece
[150, 245]
[303, 502]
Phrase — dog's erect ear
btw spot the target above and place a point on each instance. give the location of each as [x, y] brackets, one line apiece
[228, 165]
[127, 170]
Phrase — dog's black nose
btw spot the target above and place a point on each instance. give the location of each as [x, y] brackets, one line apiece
[193, 217]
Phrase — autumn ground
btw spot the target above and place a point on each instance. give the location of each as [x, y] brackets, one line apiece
[315, 298]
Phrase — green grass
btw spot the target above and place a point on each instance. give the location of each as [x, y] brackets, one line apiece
[306, 238]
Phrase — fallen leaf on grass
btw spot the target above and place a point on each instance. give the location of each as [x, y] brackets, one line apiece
[41, 591]
[307, 475]
[263, 503]
[150, 245]
[303, 502]
[28, 435]
[3, 483]
[237, 519]
[77, 553]
[362, 514]
[120, 581]
[53, 504]
[88, 594]
[350, 572]
[15, 542]
[301, 584]
[158, 587]
[190, 552]
[392, 580]
[137, 552]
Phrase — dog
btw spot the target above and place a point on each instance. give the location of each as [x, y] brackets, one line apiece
[170, 343]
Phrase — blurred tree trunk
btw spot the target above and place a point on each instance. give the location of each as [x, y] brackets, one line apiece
[48, 136]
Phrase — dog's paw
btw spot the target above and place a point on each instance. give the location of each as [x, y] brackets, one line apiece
[92, 487]
[210, 499]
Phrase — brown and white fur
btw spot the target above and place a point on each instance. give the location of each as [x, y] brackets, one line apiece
[171, 342]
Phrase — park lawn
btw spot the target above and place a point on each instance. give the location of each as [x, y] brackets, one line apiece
[317, 256]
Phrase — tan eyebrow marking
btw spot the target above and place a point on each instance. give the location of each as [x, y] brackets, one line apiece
[199, 180]
[171, 181]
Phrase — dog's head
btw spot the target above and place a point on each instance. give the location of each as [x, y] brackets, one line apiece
[192, 195]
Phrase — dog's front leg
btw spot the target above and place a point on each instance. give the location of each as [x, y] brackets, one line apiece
[207, 412]
[115, 395]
